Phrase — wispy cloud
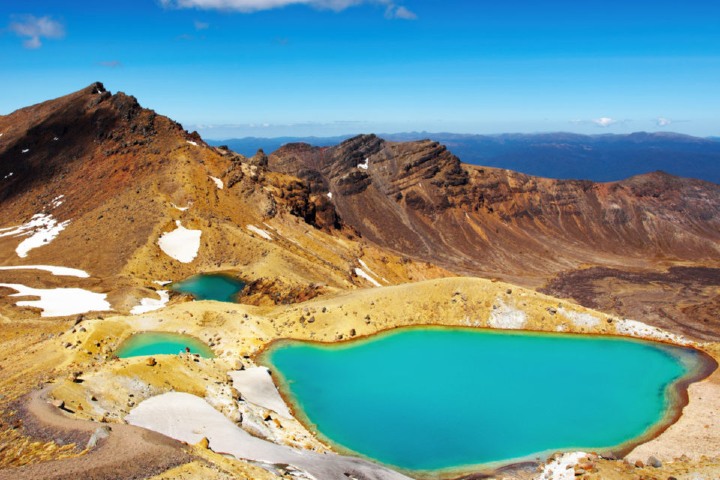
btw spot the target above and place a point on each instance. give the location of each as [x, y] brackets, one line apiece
[399, 12]
[201, 25]
[34, 29]
[604, 121]
[663, 122]
[247, 6]
[111, 64]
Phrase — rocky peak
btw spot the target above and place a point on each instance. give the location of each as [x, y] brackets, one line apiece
[96, 88]
[90, 132]
[359, 147]
[259, 159]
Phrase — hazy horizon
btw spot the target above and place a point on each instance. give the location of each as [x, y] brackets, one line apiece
[203, 133]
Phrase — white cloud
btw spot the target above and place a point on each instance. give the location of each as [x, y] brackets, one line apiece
[663, 122]
[604, 122]
[201, 25]
[33, 29]
[399, 12]
[248, 6]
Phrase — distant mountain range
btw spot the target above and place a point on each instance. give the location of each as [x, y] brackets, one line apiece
[600, 158]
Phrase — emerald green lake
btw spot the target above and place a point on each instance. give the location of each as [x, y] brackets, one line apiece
[160, 343]
[215, 286]
[434, 399]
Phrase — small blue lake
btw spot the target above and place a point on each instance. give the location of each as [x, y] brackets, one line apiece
[433, 400]
[161, 343]
[215, 286]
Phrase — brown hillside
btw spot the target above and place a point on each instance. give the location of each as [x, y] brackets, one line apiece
[419, 199]
[120, 176]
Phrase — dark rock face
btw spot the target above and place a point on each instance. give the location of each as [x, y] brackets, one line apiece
[353, 183]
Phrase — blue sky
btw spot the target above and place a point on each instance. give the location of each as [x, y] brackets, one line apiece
[325, 67]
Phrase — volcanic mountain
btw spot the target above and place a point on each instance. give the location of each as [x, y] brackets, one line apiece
[419, 200]
[93, 181]
[561, 155]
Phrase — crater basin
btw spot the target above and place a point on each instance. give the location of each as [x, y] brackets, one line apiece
[436, 401]
[161, 343]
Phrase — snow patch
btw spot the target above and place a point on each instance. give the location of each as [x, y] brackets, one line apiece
[507, 317]
[42, 228]
[192, 143]
[562, 467]
[580, 319]
[59, 302]
[369, 270]
[189, 418]
[25, 150]
[181, 244]
[329, 195]
[8, 176]
[365, 165]
[57, 201]
[361, 273]
[151, 304]
[638, 329]
[55, 139]
[162, 283]
[182, 209]
[256, 386]
[218, 182]
[259, 231]
[59, 271]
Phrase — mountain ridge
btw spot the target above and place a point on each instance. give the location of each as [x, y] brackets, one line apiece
[559, 155]
[119, 177]
[419, 199]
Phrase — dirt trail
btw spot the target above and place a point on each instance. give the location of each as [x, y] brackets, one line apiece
[127, 453]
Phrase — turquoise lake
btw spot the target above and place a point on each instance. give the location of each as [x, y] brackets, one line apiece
[215, 286]
[160, 343]
[433, 399]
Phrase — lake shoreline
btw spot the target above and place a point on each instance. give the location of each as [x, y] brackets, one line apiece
[704, 366]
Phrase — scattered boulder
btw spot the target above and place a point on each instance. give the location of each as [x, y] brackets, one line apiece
[235, 393]
[99, 434]
[151, 362]
[654, 462]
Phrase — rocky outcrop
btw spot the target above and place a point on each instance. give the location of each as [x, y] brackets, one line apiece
[418, 198]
